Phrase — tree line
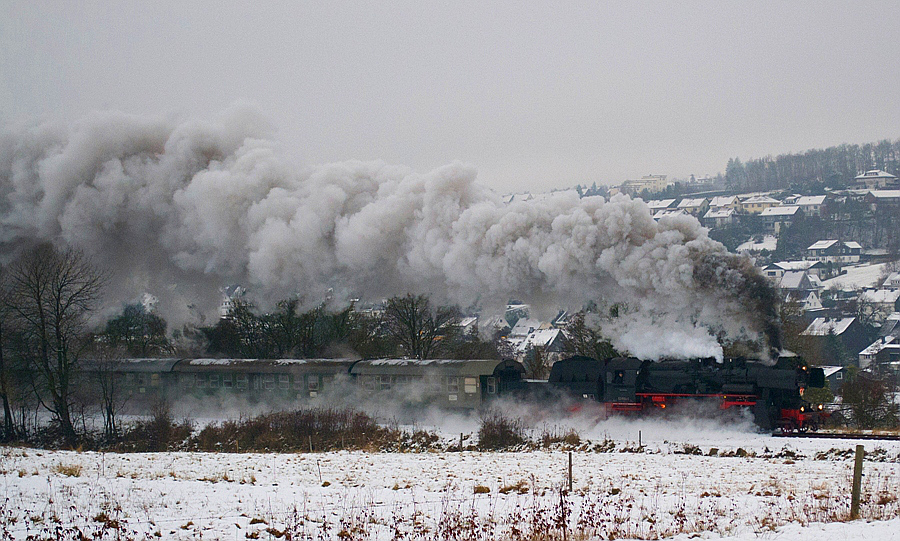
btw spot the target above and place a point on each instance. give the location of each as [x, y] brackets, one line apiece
[812, 171]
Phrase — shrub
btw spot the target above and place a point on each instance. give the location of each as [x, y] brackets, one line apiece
[500, 432]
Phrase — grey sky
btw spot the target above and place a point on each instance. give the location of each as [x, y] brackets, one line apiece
[534, 95]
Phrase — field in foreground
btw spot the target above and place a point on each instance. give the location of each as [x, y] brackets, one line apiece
[684, 481]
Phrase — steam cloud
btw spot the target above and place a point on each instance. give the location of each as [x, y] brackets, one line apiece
[179, 209]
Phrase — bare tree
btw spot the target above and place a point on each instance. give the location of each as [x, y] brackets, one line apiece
[417, 328]
[51, 293]
[6, 383]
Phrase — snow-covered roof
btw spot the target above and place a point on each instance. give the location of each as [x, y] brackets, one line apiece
[885, 194]
[853, 244]
[830, 370]
[691, 203]
[877, 345]
[821, 326]
[524, 326]
[658, 204]
[811, 200]
[792, 280]
[880, 296]
[757, 199]
[822, 244]
[798, 265]
[669, 212]
[787, 210]
[719, 213]
[540, 338]
[874, 173]
[723, 200]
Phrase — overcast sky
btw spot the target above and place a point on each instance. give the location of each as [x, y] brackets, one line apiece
[534, 96]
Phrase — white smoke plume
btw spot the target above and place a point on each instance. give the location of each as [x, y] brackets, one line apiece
[181, 208]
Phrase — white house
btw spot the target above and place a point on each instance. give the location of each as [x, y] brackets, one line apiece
[774, 219]
[834, 251]
[811, 204]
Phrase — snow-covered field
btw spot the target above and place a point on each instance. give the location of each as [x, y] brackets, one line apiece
[732, 483]
[769, 242]
[857, 277]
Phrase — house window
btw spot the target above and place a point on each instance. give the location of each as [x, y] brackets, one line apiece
[839, 376]
[242, 381]
[471, 385]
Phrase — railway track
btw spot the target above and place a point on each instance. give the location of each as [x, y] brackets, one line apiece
[837, 436]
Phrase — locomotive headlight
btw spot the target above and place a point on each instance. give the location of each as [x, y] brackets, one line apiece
[821, 407]
[802, 408]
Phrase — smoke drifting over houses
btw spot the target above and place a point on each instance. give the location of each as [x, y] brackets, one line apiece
[180, 208]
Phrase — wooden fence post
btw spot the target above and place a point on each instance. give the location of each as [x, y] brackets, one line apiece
[857, 483]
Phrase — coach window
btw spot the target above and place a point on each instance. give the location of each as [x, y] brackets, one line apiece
[284, 381]
[154, 380]
[200, 381]
[471, 385]
[214, 381]
[384, 383]
[242, 381]
[269, 382]
[227, 381]
[452, 385]
[327, 381]
[492, 385]
[312, 383]
[369, 383]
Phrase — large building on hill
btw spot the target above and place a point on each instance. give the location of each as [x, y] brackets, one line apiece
[649, 183]
[876, 180]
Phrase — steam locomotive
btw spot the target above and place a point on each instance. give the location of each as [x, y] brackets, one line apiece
[773, 392]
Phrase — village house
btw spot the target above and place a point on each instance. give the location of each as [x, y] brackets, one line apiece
[657, 205]
[758, 203]
[669, 212]
[876, 180]
[694, 207]
[718, 217]
[725, 202]
[869, 355]
[848, 331]
[811, 205]
[883, 200]
[893, 280]
[882, 301]
[648, 183]
[774, 219]
[834, 251]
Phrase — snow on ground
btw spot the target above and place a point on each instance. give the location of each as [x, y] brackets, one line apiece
[857, 277]
[688, 479]
[769, 243]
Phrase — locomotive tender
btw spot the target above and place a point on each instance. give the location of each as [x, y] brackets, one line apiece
[773, 392]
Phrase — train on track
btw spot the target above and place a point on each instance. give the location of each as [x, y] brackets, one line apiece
[773, 392]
